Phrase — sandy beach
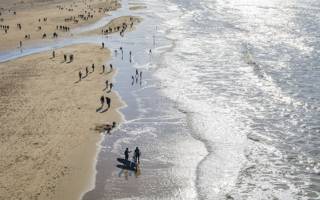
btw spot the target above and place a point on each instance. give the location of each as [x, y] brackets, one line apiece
[40, 20]
[49, 120]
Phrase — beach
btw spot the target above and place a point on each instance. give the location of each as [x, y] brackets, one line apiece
[49, 120]
[40, 20]
[220, 97]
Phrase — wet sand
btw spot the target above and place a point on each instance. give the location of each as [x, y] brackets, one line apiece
[49, 120]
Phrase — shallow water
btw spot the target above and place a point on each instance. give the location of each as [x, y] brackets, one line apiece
[228, 107]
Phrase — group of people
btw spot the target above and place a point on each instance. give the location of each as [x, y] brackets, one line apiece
[122, 28]
[44, 19]
[103, 71]
[136, 77]
[65, 57]
[109, 86]
[105, 99]
[5, 28]
[135, 157]
[63, 28]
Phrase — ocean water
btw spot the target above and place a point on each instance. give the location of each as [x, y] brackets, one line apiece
[248, 75]
[230, 105]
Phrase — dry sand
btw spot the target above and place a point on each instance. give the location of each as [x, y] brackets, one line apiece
[48, 120]
[29, 12]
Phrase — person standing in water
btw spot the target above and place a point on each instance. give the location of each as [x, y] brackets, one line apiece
[137, 155]
[126, 153]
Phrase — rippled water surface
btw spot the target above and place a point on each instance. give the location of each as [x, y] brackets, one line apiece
[249, 72]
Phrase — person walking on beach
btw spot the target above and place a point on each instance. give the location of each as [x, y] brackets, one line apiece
[80, 76]
[92, 67]
[111, 86]
[102, 45]
[102, 100]
[130, 54]
[20, 44]
[53, 54]
[140, 75]
[103, 68]
[111, 67]
[126, 153]
[108, 101]
[137, 155]
[65, 57]
[121, 53]
[107, 84]
[87, 71]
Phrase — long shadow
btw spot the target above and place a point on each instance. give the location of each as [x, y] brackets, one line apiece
[77, 81]
[98, 109]
[126, 167]
[105, 110]
[85, 76]
[126, 164]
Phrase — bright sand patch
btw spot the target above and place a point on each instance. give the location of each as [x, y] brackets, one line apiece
[29, 12]
[47, 137]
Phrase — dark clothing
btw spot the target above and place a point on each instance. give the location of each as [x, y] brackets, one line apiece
[102, 99]
[137, 154]
[126, 153]
[108, 101]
